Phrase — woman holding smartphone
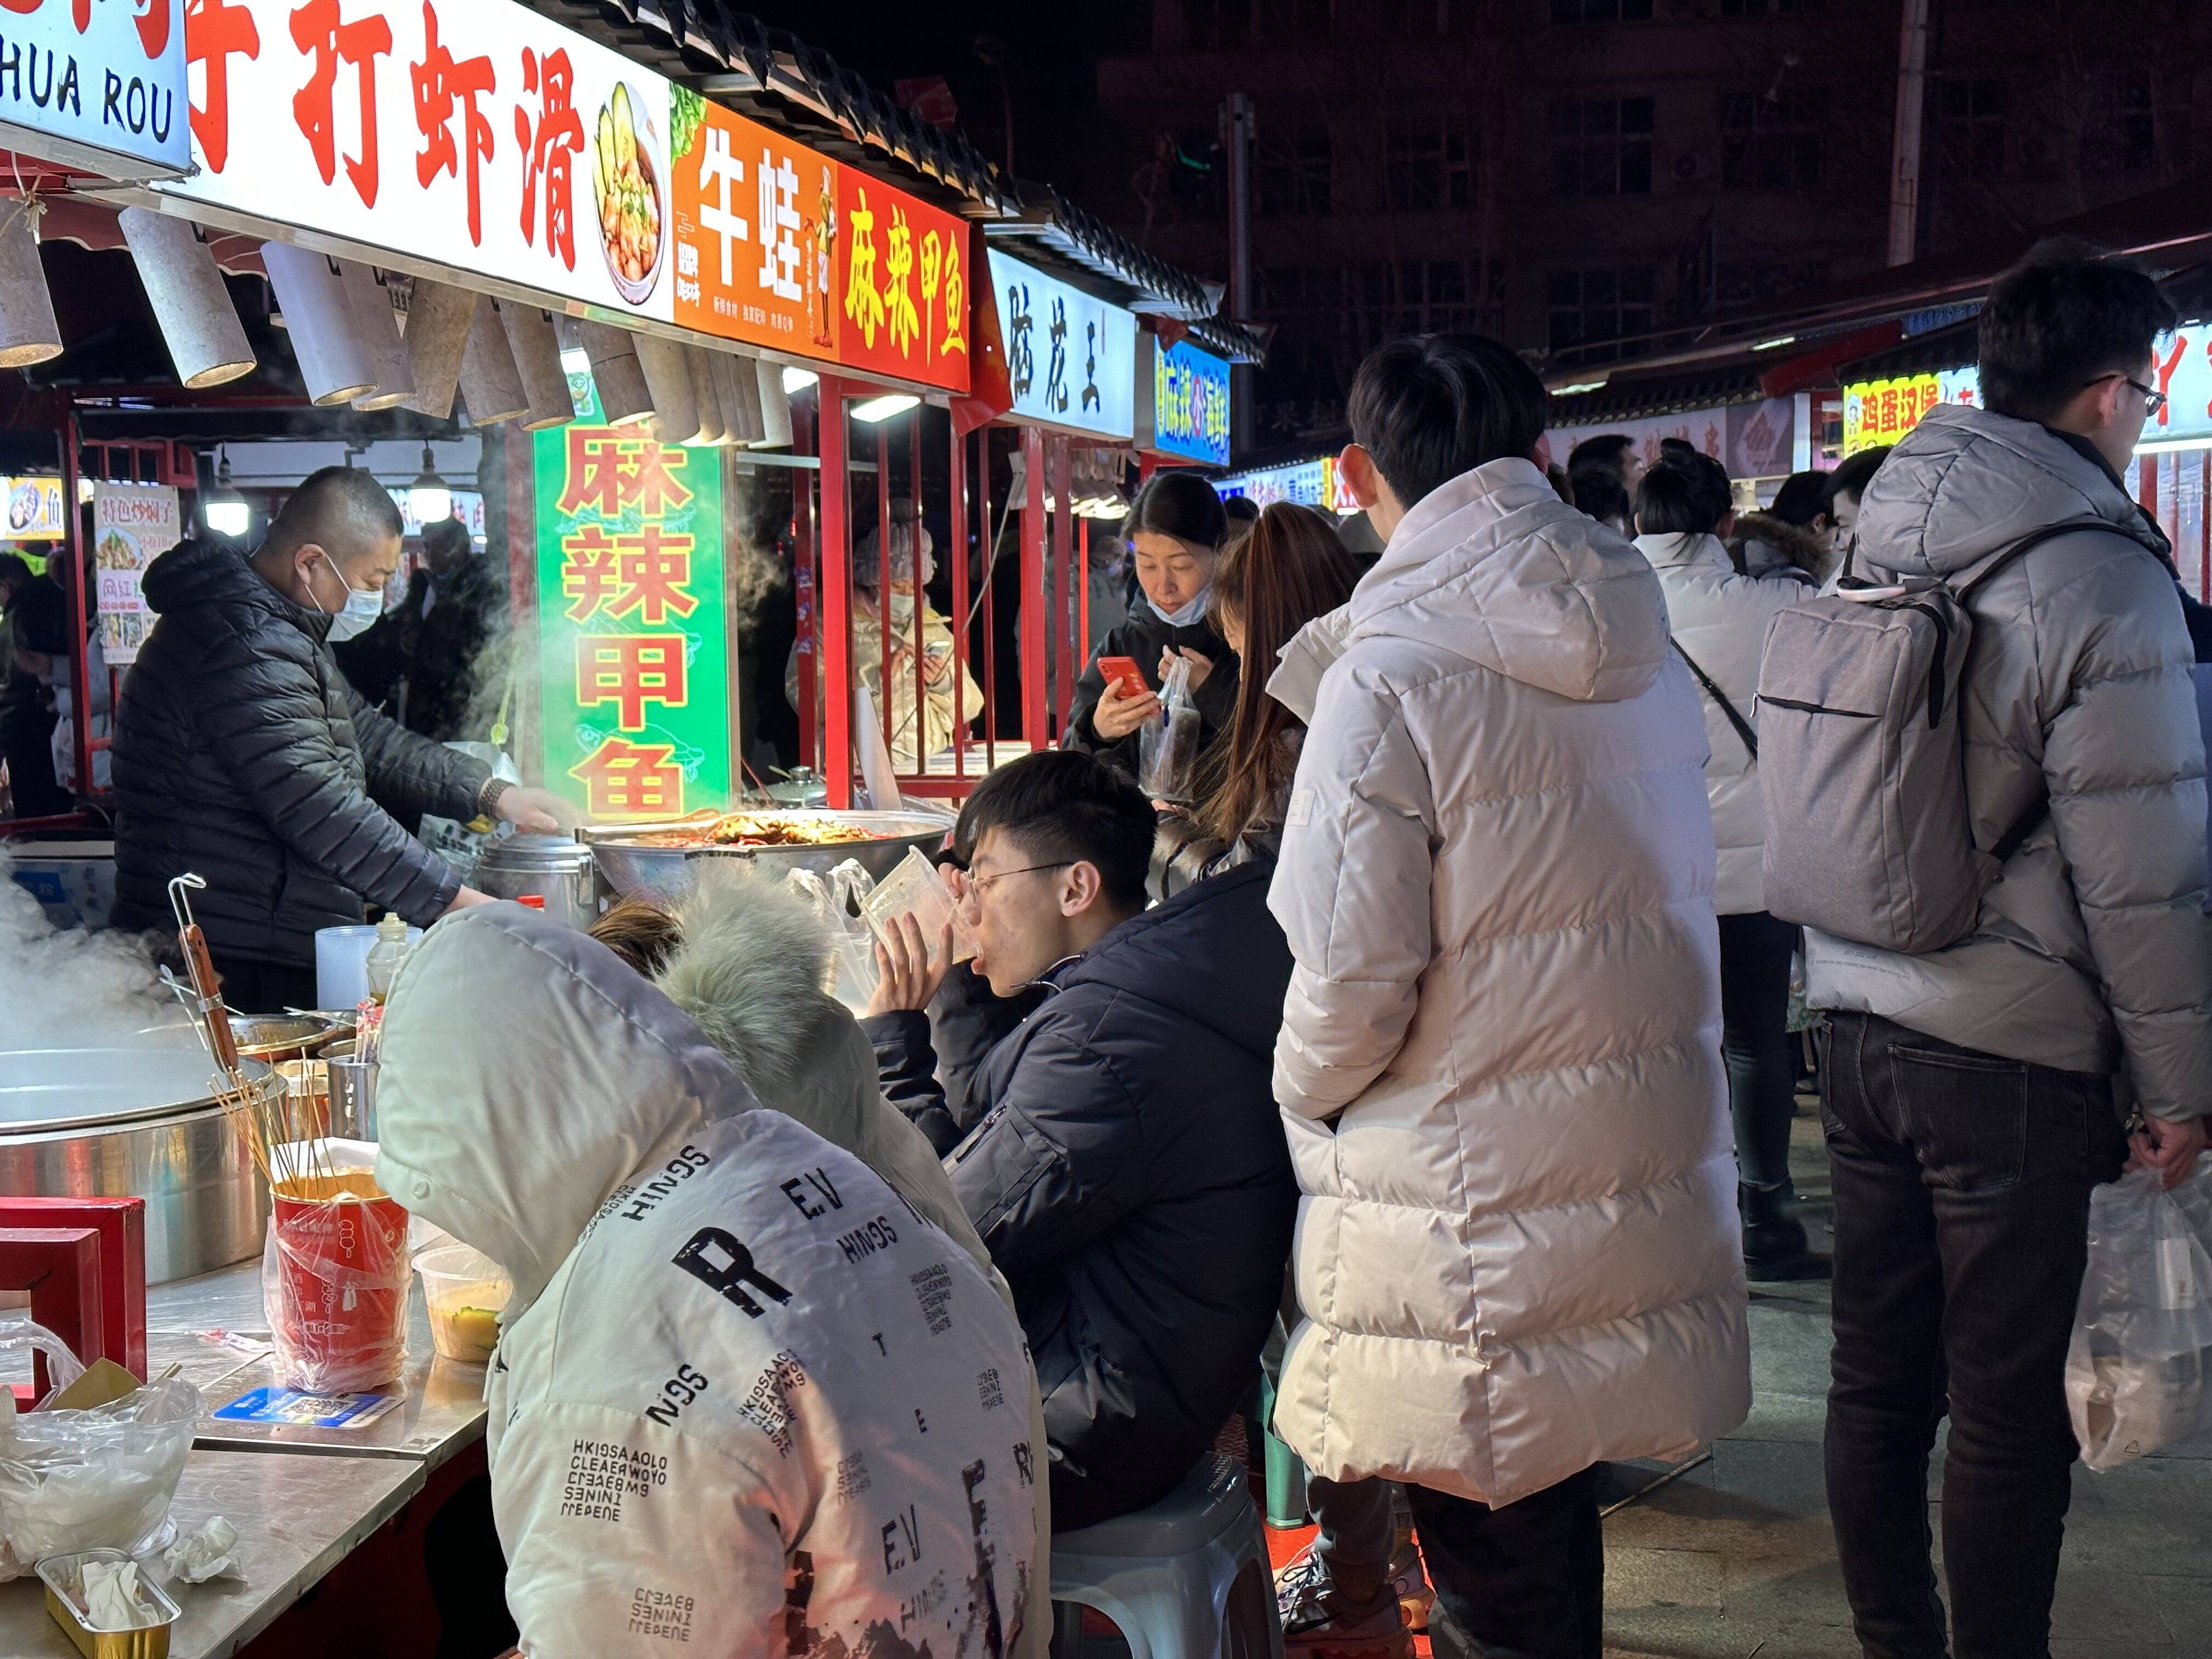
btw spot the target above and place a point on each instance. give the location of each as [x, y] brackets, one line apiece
[1175, 529]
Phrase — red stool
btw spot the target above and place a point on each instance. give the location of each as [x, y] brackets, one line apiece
[60, 1267]
[121, 1222]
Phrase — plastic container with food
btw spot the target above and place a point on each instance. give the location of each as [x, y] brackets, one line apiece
[467, 1292]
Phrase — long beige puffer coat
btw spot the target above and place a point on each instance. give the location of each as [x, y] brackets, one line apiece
[1517, 1253]
[2093, 952]
[1720, 620]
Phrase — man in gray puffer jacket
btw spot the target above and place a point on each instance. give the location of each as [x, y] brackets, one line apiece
[1975, 1094]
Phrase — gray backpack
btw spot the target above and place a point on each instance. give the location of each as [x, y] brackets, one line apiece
[1862, 763]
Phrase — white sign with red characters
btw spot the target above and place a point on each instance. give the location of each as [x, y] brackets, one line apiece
[97, 86]
[473, 134]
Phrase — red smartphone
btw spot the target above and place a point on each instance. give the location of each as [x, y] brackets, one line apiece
[1124, 671]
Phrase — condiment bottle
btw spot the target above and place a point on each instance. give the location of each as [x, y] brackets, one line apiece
[392, 948]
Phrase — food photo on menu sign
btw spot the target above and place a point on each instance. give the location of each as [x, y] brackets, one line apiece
[474, 135]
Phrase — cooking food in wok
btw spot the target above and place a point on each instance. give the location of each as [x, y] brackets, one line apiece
[759, 830]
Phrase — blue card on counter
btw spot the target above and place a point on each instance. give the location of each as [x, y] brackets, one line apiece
[295, 1409]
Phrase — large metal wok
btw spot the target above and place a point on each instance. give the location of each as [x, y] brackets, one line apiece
[633, 868]
[138, 1123]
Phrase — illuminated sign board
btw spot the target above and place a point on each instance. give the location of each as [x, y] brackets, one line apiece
[1308, 483]
[1182, 398]
[98, 87]
[1071, 357]
[631, 633]
[478, 138]
[1879, 412]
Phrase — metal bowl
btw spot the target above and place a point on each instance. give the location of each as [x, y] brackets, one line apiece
[632, 869]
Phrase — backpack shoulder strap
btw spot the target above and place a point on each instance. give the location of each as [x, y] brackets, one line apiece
[1743, 728]
[2035, 538]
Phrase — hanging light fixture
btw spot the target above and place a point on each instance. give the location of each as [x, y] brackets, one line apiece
[796, 380]
[224, 510]
[883, 408]
[430, 499]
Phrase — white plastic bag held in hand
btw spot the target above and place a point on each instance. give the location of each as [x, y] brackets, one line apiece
[1167, 744]
[2139, 1371]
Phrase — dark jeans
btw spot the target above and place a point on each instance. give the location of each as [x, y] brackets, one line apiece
[1357, 1532]
[1755, 951]
[253, 986]
[1962, 1201]
[1526, 1581]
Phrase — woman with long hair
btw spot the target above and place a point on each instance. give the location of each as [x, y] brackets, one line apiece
[1287, 569]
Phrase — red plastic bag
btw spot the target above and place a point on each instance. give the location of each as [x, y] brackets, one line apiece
[334, 1278]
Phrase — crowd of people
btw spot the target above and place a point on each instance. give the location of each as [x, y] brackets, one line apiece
[1433, 1058]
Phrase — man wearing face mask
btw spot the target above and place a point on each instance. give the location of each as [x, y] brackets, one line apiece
[242, 754]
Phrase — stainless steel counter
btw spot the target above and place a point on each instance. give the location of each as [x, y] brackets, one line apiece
[297, 1517]
[213, 1326]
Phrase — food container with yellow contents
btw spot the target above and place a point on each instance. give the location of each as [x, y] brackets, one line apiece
[64, 1578]
[466, 1292]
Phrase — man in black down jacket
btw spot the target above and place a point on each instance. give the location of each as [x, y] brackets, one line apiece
[242, 752]
[1122, 1158]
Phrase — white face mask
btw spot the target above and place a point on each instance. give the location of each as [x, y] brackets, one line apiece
[902, 610]
[1189, 615]
[359, 611]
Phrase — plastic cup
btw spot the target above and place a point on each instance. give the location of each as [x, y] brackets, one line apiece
[466, 1292]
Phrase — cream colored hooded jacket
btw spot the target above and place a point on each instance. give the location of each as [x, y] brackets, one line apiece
[1499, 1067]
[1719, 618]
[746, 1401]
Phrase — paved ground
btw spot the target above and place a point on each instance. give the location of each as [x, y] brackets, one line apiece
[1736, 1558]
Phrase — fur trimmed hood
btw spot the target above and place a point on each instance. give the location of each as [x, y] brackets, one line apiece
[1765, 545]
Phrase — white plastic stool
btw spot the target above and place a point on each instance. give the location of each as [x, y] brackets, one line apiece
[1187, 1578]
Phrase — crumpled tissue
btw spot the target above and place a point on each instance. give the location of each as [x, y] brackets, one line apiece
[205, 1554]
[111, 1597]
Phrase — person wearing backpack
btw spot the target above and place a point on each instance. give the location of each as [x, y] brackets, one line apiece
[1718, 620]
[2010, 964]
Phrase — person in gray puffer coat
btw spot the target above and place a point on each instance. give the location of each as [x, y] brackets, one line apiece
[1973, 1095]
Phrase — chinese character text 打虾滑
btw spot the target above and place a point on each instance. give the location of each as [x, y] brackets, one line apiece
[318, 31]
[548, 147]
[216, 31]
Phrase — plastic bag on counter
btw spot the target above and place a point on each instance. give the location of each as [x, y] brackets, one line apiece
[917, 888]
[1167, 747]
[2139, 1369]
[838, 900]
[334, 1272]
[96, 1479]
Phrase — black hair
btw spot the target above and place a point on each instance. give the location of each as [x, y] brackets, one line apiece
[1799, 499]
[13, 568]
[1431, 406]
[1180, 504]
[341, 508]
[1058, 803]
[1852, 475]
[1684, 494]
[1241, 509]
[1597, 473]
[446, 535]
[2061, 318]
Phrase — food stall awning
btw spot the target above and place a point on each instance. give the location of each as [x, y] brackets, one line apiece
[2167, 229]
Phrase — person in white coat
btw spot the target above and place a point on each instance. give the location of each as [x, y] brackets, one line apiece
[1499, 1065]
[746, 1401]
[1719, 621]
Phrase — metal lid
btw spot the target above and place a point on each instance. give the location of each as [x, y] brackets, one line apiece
[537, 855]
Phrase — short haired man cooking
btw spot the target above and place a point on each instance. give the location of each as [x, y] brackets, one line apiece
[242, 754]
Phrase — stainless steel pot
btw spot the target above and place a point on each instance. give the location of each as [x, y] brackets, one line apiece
[631, 868]
[551, 868]
[136, 1123]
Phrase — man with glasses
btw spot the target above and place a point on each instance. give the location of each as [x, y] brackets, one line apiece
[1973, 1095]
[1123, 1157]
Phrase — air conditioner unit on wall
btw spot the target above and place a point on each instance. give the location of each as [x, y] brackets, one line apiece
[1690, 166]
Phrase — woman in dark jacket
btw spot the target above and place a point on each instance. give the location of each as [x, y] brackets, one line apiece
[1175, 530]
[1289, 570]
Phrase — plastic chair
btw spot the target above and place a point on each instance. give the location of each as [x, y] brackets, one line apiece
[1187, 1578]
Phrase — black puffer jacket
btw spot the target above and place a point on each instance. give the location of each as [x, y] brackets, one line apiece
[1130, 1177]
[242, 753]
[1143, 637]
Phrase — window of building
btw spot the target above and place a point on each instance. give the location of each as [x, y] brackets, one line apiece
[1294, 170]
[2121, 133]
[1770, 142]
[1769, 8]
[1294, 20]
[1601, 147]
[1217, 25]
[1741, 284]
[1590, 311]
[1970, 118]
[1422, 296]
[1601, 11]
[1431, 162]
